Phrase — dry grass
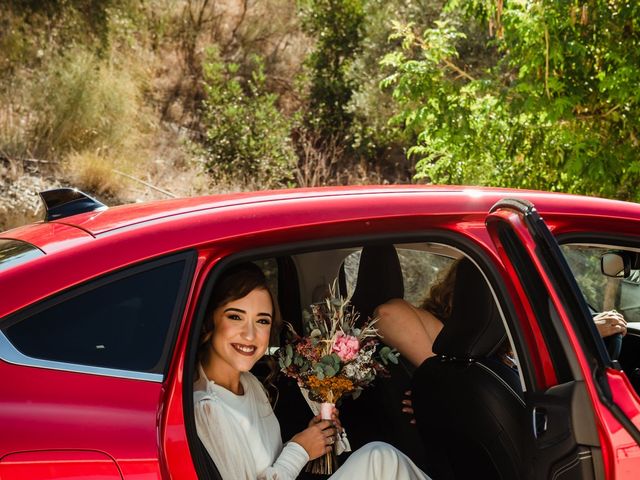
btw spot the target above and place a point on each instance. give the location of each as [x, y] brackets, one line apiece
[92, 172]
[19, 186]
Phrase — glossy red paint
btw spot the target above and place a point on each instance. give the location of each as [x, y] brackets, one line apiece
[625, 452]
[141, 424]
[51, 410]
[617, 464]
[59, 465]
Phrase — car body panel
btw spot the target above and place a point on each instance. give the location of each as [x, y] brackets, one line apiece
[59, 465]
[141, 424]
[630, 460]
[51, 410]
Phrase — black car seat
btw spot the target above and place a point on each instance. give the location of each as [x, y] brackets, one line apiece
[377, 414]
[469, 405]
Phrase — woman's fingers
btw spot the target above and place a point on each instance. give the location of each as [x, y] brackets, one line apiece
[407, 406]
[315, 420]
[329, 432]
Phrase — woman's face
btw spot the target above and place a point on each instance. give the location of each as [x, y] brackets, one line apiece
[241, 331]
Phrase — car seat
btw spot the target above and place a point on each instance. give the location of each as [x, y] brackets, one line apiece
[377, 413]
[469, 405]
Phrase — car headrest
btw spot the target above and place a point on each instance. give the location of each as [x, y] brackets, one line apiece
[474, 329]
[379, 279]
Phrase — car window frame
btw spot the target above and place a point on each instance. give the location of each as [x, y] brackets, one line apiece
[10, 354]
[474, 248]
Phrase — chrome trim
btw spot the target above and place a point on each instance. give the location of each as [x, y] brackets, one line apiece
[10, 354]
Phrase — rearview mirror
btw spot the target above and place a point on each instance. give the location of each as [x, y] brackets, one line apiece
[616, 264]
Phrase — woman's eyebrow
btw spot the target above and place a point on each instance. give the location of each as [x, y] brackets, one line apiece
[232, 309]
[265, 314]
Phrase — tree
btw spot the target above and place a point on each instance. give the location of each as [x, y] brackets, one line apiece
[555, 106]
[247, 138]
[336, 27]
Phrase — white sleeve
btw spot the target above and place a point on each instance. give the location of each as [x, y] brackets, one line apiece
[224, 441]
[288, 465]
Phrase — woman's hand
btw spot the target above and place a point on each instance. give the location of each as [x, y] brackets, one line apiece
[335, 418]
[407, 406]
[318, 438]
[610, 323]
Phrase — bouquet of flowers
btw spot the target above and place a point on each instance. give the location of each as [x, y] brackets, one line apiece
[335, 357]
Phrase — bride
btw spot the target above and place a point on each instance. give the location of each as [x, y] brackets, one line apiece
[234, 418]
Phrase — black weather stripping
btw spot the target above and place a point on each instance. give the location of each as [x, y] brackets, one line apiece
[64, 202]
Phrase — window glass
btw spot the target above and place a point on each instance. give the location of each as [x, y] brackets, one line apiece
[121, 321]
[15, 252]
[602, 292]
[420, 270]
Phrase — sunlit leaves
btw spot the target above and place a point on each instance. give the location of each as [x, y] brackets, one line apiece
[557, 106]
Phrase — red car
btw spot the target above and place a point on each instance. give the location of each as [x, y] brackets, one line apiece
[101, 308]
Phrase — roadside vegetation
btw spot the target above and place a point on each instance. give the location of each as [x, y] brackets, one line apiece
[132, 101]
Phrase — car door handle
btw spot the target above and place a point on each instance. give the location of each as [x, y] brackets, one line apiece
[539, 421]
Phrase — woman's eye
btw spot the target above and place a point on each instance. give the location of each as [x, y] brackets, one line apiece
[233, 316]
[264, 321]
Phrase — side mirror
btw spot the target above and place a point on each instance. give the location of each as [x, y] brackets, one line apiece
[616, 264]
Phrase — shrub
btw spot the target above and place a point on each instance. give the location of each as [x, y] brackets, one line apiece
[247, 138]
[336, 25]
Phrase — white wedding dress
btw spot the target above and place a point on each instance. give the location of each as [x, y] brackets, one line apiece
[242, 435]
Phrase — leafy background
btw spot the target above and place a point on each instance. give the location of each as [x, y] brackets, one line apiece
[136, 100]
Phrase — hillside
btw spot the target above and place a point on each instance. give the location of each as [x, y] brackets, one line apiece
[131, 101]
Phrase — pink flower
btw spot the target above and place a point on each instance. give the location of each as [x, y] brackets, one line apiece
[346, 347]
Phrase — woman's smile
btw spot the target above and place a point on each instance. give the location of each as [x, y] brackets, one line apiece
[248, 350]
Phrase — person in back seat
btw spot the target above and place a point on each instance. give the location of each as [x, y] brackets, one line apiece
[412, 330]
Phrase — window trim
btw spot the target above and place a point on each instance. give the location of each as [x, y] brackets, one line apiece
[10, 354]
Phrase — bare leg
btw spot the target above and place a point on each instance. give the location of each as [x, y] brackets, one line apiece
[410, 330]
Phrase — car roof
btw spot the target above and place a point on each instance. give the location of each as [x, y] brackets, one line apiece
[67, 232]
[84, 246]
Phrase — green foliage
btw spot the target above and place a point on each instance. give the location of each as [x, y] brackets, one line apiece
[373, 136]
[336, 27]
[247, 138]
[389, 355]
[555, 106]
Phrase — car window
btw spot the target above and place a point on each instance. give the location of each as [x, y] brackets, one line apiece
[121, 321]
[420, 270]
[601, 292]
[15, 252]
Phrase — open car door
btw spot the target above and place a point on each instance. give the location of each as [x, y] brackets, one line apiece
[584, 414]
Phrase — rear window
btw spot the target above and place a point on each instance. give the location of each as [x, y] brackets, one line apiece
[122, 321]
[15, 252]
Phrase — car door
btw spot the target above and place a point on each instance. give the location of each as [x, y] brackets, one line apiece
[582, 412]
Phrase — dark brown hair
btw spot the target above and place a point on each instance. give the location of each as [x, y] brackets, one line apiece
[235, 283]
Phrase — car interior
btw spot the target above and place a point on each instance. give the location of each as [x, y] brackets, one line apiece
[464, 398]
[609, 278]
[370, 275]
